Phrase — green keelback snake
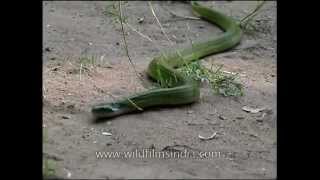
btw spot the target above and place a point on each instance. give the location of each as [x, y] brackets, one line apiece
[181, 89]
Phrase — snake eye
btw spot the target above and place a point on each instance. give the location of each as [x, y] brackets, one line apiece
[102, 108]
[113, 107]
[106, 110]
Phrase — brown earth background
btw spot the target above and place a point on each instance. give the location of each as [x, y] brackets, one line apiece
[73, 31]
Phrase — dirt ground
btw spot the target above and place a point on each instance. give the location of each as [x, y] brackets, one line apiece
[74, 31]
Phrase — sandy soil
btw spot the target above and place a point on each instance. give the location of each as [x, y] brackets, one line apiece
[76, 30]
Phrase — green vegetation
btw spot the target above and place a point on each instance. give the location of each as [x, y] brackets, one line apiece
[48, 165]
[220, 82]
[112, 9]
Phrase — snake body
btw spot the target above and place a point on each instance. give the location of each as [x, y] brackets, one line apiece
[181, 89]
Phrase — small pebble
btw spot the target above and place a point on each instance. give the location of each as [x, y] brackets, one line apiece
[189, 112]
[106, 133]
[222, 117]
[84, 136]
[70, 106]
[47, 49]
[65, 117]
[140, 20]
[253, 135]
[259, 120]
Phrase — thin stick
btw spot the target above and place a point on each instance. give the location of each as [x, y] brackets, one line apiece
[125, 43]
[127, 52]
[188, 32]
[190, 40]
[135, 105]
[80, 71]
[181, 16]
[252, 14]
[144, 36]
[44, 91]
[154, 14]
[162, 30]
[135, 30]
[51, 69]
[114, 98]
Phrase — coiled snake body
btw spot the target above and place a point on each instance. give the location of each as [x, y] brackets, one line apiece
[182, 89]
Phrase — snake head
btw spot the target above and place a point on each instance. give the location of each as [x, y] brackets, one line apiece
[107, 110]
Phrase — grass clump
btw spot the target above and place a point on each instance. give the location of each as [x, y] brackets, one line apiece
[113, 11]
[48, 165]
[87, 62]
[220, 82]
[48, 168]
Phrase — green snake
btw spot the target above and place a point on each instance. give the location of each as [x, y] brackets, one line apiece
[181, 89]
